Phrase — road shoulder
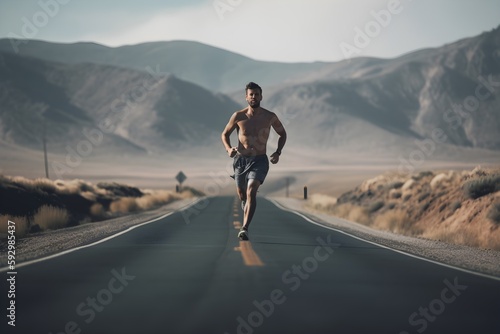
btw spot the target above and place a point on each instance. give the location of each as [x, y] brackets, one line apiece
[47, 243]
[482, 261]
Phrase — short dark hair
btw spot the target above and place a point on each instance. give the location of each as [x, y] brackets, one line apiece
[252, 85]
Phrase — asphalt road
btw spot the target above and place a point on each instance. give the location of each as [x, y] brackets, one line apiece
[188, 273]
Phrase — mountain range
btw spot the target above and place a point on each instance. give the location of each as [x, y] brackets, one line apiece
[171, 96]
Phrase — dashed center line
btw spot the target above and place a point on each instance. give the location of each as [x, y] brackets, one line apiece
[250, 257]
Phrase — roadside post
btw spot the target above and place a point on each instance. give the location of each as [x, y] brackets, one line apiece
[181, 177]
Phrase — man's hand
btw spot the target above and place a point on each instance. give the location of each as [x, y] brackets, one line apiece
[275, 157]
[232, 152]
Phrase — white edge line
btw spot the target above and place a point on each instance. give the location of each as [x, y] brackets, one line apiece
[22, 264]
[386, 247]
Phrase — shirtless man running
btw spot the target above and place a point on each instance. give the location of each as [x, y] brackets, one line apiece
[253, 125]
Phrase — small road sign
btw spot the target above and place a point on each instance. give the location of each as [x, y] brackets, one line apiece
[181, 177]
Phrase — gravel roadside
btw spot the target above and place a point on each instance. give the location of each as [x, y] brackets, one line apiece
[474, 259]
[51, 242]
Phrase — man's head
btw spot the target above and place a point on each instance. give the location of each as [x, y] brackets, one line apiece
[253, 94]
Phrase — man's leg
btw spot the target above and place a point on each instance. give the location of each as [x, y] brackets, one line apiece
[251, 196]
[242, 193]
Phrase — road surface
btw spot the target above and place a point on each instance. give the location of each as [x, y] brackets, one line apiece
[188, 273]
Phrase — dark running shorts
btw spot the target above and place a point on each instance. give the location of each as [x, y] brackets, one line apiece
[246, 168]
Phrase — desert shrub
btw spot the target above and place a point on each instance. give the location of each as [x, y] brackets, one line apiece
[482, 186]
[455, 206]
[395, 185]
[391, 205]
[442, 207]
[424, 207]
[423, 196]
[45, 185]
[410, 183]
[375, 206]
[421, 175]
[494, 213]
[21, 224]
[50, 218]
[73, 186]
[406, 197]
[120, 189]
[396, 194]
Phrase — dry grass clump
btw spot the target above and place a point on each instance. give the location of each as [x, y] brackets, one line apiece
[21, 225]
[353, 213]
[50, 218]
[97, 210]
[347, 211]
[482, 186]
[360, 215]
[149, 201]
[74, 186]
[44, 184]
[155, 199]
[321, 202]
[396, 221]
[375, 206]
[479, 234]
[124, 205]
[494, 213]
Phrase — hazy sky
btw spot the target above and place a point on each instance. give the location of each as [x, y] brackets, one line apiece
[279, 30]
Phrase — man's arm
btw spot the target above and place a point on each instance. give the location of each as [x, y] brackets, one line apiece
[280, 130]
[226, 134]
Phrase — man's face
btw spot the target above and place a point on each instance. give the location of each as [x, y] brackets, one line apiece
[253, 97]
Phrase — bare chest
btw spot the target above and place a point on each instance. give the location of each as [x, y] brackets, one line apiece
[254, 126]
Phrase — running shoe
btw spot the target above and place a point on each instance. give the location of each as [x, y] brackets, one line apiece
[243, 235]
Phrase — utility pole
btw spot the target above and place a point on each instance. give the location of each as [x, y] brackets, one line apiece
[44, 141]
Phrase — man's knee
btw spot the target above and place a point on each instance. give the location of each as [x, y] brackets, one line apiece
[242, 193]
[252, 188]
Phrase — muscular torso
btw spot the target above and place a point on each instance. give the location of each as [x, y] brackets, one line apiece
[253, 131]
